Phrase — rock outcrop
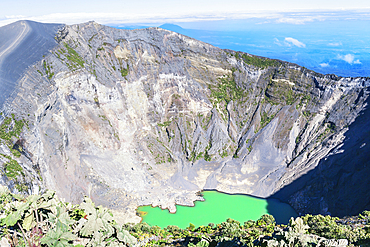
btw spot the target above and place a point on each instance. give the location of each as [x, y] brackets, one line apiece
[135, 117]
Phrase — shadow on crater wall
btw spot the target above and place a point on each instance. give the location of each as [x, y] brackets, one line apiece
[340, 184]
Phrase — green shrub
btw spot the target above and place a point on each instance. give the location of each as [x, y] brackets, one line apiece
[124, 71]
[324, 226]
[259, 62]
[74, 58]
[265, 220]
[249, 224]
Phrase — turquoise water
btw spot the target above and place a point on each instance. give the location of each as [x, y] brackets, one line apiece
[216, 208]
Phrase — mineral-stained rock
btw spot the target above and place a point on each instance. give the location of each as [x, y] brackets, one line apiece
[138, 117]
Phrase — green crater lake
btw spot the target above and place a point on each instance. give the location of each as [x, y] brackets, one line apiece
[216, 208]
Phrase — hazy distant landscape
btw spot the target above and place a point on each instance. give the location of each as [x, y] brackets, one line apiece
[339, 46]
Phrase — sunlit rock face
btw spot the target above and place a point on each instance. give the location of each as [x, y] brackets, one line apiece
[138, 117]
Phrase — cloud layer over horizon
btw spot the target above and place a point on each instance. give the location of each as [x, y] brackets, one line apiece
[349, 58]
[298, 17]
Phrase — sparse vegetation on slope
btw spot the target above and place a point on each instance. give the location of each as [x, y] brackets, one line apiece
[71, 58]
[124, 71]
[48, 69]
[226, 90]
[259, 62]
[10, 131]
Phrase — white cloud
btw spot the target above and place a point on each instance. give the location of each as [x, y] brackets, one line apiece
[14, 16]
[357, 61]
[112, 18]
[324, 65]
[277, 42]
[335, 44]
[137, 16]
[349, 58]
[295, 42]
[298, 20]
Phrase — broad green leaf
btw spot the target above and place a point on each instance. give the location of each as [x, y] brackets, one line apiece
[12, 219]
[65, 219]
[54, 215]
[58, 236]
[88, 206]
[23, 207]
[203, 243]
[49, 240]
[19, 197]
[61, 215]
[48, 194]
[98, 220]
[80, 224]
[51, 205]
[91, 226]
[106, 219]
[124, 236]
[109, 230]
[298, 225]
[52, 218]
[67, 236]
[97, 240]
[29, 221]
[4, 190]
[32, 199]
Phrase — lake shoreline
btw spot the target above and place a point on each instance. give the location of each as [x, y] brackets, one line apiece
[219, 207]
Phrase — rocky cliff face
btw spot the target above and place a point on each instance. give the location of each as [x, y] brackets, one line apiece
[151, 117]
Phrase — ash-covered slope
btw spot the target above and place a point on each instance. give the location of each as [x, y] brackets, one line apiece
[151, 117]
[22, 43]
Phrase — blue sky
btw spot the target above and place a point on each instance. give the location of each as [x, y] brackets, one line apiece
[170, 11]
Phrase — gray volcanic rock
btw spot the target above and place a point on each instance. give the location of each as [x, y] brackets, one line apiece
[340, 182]
[22, 43]
[138, 117]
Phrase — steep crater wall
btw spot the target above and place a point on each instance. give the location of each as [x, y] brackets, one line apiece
[151, 117]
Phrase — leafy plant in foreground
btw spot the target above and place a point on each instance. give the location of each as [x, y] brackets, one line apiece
[44, 220]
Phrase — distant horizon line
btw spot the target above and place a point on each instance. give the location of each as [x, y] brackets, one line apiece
[296, 16]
